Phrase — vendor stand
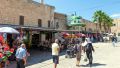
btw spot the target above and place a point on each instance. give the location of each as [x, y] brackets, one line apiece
[5, 50]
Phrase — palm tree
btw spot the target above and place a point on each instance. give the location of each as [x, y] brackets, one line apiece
[103, 20]
[98, 17]
[109, 23]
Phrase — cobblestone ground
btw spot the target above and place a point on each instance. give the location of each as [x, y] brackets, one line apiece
[105, 56]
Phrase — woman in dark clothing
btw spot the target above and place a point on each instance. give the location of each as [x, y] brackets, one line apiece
[88, 49]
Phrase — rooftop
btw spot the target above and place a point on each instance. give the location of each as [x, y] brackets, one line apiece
[38, 4]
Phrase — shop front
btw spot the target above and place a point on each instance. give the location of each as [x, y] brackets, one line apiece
[38, 38]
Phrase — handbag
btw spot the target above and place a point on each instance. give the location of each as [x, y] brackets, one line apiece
[85, 58]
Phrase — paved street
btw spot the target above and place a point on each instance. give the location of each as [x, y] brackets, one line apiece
[105, 56]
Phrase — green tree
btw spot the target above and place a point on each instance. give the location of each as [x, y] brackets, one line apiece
[98, 17]
[103, 20]
[109, 23]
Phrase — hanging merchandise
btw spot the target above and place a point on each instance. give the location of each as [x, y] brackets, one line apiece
[1, 55]
[4, 58]
[12, 50]
[1, 39]
[6, 51]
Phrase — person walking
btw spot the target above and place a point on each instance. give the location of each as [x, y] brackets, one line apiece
[55, 52]
[78, 49]
[88, 49]
[21, 56]
[114, 40]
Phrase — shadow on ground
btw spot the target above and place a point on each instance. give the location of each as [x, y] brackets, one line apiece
[94, 65]
[40, 56]
[117, 46]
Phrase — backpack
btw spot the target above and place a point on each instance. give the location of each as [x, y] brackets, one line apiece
[88, 47]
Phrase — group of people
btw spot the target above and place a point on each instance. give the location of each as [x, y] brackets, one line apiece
[85, 47]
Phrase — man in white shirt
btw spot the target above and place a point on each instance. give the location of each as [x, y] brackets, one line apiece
[55, 53]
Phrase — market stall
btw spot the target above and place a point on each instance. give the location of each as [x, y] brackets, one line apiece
[5, 50]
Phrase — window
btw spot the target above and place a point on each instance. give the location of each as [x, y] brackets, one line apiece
[39, 23]
[21, 20]
[57, 25]
[74, 21]
[118, 34]
[114, 24]
[48, 23]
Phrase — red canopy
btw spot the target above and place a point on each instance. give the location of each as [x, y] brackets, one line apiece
[80, 35]
[65, 34]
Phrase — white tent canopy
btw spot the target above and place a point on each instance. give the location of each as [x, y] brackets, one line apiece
[8, 30]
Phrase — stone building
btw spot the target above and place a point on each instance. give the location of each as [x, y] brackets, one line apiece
[26, 13]
[37, 21]
[60, 21]
[92, 27]
[30, 17]
[89, 26]
[116, 26]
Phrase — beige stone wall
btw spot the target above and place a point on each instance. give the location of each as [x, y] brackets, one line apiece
[90, 26]
[61, 19]
[10, 10]
[116, 27]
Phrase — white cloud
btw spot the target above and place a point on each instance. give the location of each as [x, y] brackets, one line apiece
[117, 15]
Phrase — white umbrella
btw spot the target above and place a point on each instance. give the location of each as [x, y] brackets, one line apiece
[8, 30]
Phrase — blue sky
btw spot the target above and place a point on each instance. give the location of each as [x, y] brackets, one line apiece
[86, 8]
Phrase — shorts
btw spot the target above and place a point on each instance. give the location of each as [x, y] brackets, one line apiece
[55, 59]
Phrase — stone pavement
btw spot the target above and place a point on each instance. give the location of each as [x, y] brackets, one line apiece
[105, 56]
